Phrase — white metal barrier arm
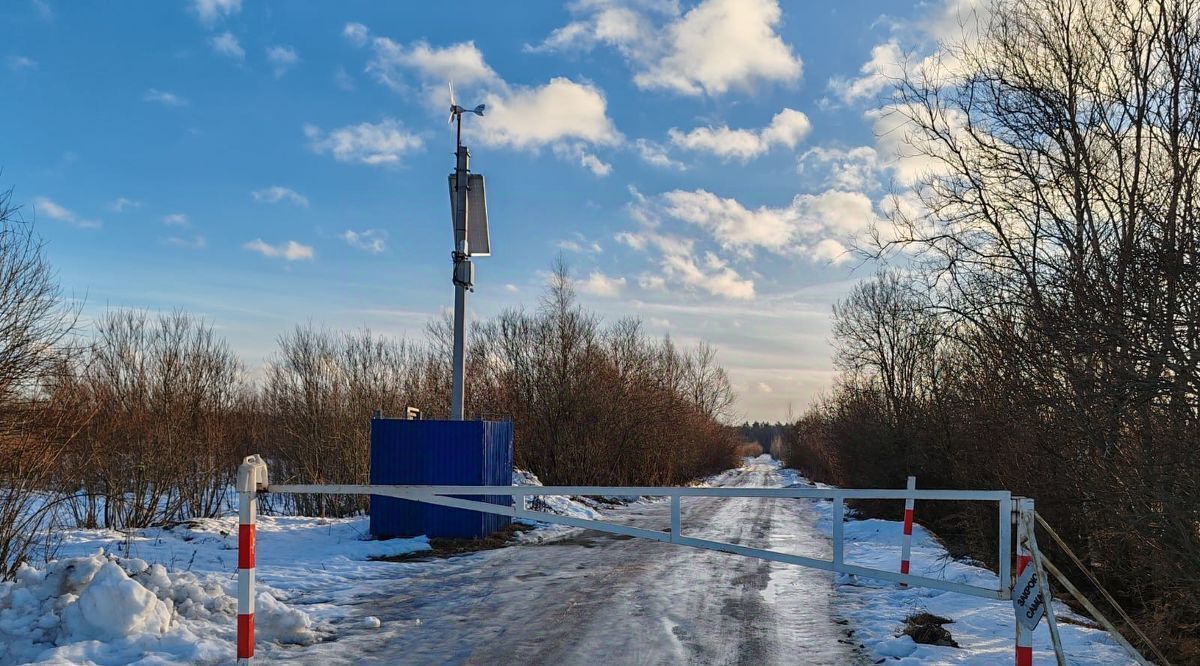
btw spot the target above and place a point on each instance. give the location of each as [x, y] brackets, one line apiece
[440, 495]
[633, 491]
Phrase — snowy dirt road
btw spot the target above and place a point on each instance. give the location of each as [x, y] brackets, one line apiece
[591, 597]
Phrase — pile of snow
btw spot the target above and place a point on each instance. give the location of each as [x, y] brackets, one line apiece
[168, 595]
[109, 610]
[559, 505]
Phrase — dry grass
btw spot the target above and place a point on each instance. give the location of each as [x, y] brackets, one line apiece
[928, 629]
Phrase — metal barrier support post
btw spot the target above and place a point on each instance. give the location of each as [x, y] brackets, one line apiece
[839, 535]
[676, 519]
[1024, 654]
[252, 476]
[906, 540]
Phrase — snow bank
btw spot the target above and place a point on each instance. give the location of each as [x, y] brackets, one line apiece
[560, 505]
[168, 595]
[103, 610]
[983, 629]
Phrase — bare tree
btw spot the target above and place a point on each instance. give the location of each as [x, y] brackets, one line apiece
[157, 447]
[884, 335]
[35, 325]
[1055, 226]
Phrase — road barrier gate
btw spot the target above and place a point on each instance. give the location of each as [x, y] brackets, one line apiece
[1011, 512]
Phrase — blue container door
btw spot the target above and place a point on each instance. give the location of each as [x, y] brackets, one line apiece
[438, 453]
[497, 469]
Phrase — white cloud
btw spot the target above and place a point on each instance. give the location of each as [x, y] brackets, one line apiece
[595, 164]
[342, 79]
[196, 242]
[226, 44]
[291, 250]
[599, 284]
[729, 222]
[885, 66]
[721, 44]
[625, 28]
[580, 244]
[712, 275]
[282, 58]
[512, 288]
[633, 240]
[794, 229]
[830, 250]
[371, 240]
[533, 117]
[655, 154]
[787, 128]
[278, 193]
[461, 63]
[679, 266]
[907, 153]
[121, 204]
[567, 116]
[763, 387]
[651, 282]
[356, 33]
[917, 46]
[51, 209]
[163, 97]
[577, 151]
[716, 46]
[19, 63]
[381, 143]
[857, 168]
[209, 11]
[837, 211]
[175, 220]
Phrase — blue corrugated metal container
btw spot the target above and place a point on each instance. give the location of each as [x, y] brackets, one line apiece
[475, 453]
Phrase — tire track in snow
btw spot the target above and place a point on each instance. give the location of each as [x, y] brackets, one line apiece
[596, 598]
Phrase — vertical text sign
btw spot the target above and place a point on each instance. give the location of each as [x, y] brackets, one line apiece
[1027, 599]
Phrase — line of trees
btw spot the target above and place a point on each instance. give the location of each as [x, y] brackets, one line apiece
[141, 418]
[1042, 333]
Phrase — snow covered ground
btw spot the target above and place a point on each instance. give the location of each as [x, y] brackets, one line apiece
[169, 595]
[165, 596]
[983, 629]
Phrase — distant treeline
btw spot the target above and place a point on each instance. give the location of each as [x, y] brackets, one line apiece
[140, 419]
[1042, 331]
[768, 436]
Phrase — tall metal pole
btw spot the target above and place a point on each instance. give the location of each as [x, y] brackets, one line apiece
[463, 278]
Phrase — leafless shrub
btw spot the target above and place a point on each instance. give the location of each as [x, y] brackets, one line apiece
[319, 395]
[154, 394]
[35, 323]
[611, 406]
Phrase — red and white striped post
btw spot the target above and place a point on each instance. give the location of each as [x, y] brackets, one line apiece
[1024, 654]
[252, 477]
[906, 540]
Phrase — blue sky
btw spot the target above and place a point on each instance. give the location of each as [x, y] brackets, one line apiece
[262, 164]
